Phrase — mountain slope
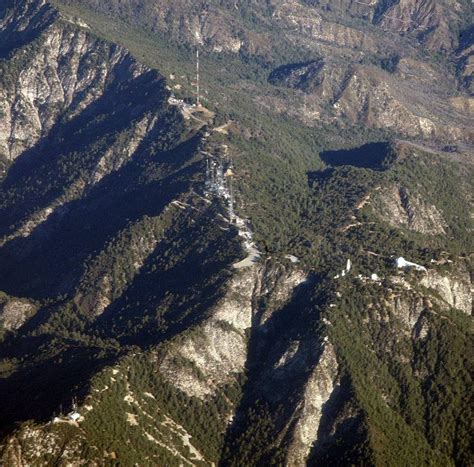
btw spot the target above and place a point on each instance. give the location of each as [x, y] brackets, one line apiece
[148, 320]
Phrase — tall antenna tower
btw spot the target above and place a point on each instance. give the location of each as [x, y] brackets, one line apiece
[231, 200]
[208, 174]
[229, 176]
[198, 88]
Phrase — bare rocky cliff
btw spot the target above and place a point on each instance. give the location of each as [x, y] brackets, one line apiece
[399, 208]
[456, 290]
[217, 349]
[73, 76]
[14, 312]
[73, 71]
[318, 390]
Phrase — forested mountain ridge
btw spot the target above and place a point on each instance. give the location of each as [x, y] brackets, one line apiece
[146, 320]
[381, 64]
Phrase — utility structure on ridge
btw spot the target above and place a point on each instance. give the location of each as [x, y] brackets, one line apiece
[198, 86]
[229, 174]
[219, 181]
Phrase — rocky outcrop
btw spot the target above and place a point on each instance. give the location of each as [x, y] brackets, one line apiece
[33, 443]
[59, 82]
[306, 76]
[216, 351]
[21, 22]
[448, 290]
[311, 25]
[72, 71]
[397, 206]
[358, 94]
[277, 285]
[224, 26]
[427, 20]
[113, 159]
[321, 384]
[14, 312]
[456, 289]
[406, 307]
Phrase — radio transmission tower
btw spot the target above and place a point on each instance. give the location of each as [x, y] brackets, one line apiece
[198, 88]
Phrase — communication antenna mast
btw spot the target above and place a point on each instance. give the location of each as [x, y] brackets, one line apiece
[229, 175]
[198, 89]
[231, 200]
[208, 174]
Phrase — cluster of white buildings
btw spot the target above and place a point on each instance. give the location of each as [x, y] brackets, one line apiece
[400, 262]
[72, 416]
[345, 271]
[219, 182]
